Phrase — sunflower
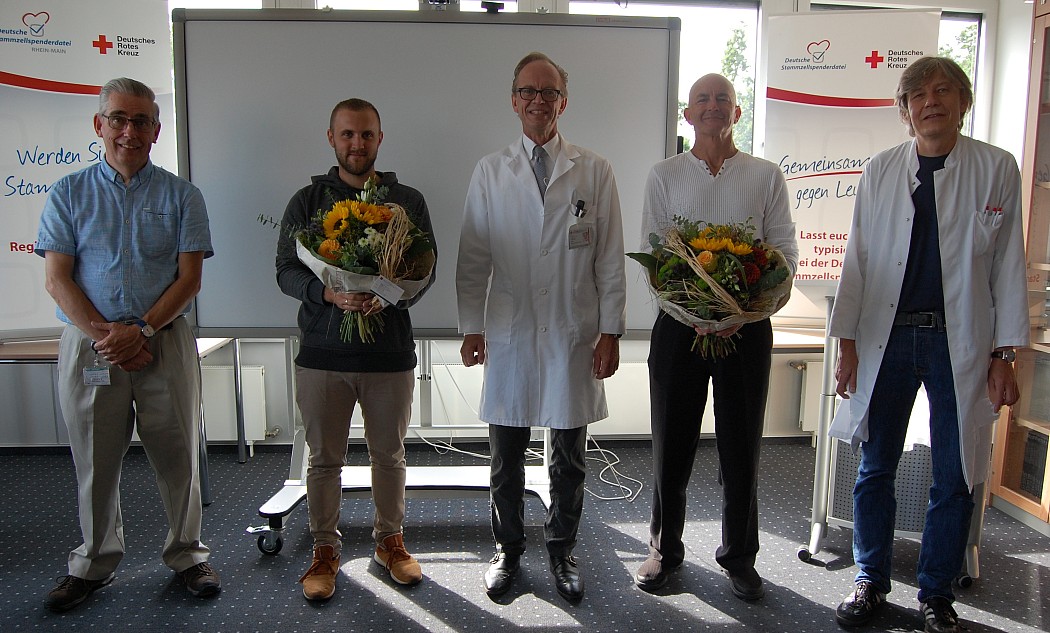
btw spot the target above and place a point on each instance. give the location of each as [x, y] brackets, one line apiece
[739, 248]
[337, 220]
[370, 213]
[711, 243]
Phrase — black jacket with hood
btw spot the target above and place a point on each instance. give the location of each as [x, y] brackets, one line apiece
[321, 346]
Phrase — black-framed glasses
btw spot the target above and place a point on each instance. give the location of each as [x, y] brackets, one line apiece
[119, 122]
[548, 94]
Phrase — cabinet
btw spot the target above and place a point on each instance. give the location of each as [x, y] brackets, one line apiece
[1021, 473]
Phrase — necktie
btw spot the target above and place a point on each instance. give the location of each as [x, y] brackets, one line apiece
[539, 168]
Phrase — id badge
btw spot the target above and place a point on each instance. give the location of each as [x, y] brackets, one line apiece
[96, 376]
[580, 235]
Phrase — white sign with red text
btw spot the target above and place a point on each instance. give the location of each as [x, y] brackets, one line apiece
[830, 108]
[55, 55]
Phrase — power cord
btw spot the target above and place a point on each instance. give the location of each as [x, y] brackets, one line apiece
[608, 475]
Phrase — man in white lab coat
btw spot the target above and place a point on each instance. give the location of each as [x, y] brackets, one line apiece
[933, 292]
[542, 293]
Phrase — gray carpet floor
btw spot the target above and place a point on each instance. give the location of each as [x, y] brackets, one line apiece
[451, 539]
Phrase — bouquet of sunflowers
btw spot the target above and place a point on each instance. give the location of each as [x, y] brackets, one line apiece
[364, 246]
[715, 276]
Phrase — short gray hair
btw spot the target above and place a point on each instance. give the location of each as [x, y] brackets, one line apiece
[126, 86]
[920, 71]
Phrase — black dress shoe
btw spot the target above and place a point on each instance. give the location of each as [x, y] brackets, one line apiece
[567, 577]
[653, 574]
[501, 572]
[746, 584]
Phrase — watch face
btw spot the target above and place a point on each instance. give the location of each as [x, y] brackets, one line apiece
[147, 331]
[1008, 355]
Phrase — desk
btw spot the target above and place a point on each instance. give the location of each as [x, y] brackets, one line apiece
[29, 389]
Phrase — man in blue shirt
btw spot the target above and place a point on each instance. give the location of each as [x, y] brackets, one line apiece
[124, 243]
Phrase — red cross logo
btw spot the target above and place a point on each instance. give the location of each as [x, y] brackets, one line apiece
[874, 59]
[102, 44]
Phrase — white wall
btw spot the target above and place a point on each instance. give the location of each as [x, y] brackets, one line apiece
[1010, 86]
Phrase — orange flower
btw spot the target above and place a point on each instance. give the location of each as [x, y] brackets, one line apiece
[708, 261]
[329, 249]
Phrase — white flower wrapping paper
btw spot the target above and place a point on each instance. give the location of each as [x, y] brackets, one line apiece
[344, 281]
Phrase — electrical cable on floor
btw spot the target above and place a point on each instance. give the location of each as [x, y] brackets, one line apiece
[609, 458]
[610, 467]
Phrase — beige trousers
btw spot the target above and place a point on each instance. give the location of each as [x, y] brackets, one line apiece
[326, 400]
[163, 402]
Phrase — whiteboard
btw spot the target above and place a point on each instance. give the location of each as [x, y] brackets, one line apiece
[255, 89]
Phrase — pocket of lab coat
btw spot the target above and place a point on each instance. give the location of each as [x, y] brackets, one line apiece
[985, 230]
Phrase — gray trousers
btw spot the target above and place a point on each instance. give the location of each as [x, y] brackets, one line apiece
[568, 469]
[163, 402]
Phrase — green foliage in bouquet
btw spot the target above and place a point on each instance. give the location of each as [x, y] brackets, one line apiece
[715, 276]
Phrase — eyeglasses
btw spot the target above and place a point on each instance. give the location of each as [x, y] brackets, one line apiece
[119, 122]
[548, 94]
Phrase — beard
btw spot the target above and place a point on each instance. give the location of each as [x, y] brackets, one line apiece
[356, 165]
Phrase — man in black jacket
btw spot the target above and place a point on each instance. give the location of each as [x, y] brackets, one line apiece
[333, 375]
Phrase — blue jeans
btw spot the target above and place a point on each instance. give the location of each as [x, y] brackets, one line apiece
[914, 355]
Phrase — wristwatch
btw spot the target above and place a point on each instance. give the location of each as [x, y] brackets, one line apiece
[146, 328]
[1009, 355]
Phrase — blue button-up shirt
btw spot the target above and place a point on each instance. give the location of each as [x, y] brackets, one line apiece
[126, 239]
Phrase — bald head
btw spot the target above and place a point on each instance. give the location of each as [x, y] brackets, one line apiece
[712, 84]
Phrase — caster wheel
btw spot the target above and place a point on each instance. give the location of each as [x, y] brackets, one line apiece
[804, 555]
[965, 581]
[270, 543]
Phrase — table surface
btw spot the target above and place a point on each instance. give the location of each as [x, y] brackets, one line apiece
[47, 350]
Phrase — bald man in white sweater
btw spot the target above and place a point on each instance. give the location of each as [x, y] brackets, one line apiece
[717, 183]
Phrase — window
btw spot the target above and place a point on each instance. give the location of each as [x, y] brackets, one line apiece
[959, 36]
[714, 39]
[407, 5]
[213, 4]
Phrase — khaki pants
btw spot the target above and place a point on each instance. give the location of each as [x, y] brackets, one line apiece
[326, 400]
[163, 402]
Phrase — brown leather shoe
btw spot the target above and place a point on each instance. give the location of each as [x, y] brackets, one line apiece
[319, 580]
[201, 580]
[72, 590]
[391, 553]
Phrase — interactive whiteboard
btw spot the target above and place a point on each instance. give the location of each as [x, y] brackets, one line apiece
[255, 88]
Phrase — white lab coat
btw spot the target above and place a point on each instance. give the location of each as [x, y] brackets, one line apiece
[540, 304]
[983, 275]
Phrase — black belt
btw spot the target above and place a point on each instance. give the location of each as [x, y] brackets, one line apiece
[920, 319]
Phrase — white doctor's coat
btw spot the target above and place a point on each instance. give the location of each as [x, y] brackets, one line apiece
[541, 304]
[983, 276]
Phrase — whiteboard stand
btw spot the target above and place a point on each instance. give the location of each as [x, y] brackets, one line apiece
[420, 481]
[822, 462]
[238, 397]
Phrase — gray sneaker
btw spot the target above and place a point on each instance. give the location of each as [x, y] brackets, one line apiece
[72, 590]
